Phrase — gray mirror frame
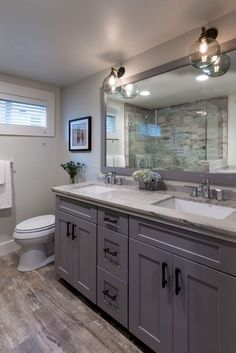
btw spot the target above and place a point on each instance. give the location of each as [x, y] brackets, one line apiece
[228, 179]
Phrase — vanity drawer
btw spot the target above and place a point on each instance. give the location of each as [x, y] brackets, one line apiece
[113, 252]
[77, 208]
[195, 246]
[112, 296]
[113, 220]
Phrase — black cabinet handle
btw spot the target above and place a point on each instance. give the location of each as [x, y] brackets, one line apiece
[177, 286]
[73, 231]
[164, 280]
[112, 297]
[108, 251]
[68, 229]
[109, 220]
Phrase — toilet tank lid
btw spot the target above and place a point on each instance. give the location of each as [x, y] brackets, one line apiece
[40, 222]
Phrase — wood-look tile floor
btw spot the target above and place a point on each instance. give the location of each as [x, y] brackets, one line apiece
[38, 314]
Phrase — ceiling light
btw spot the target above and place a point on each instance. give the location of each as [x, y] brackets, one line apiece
[202, 78]
[144, 93]
[129, 91]
[220, 67]
[206, 50]
[112, 83]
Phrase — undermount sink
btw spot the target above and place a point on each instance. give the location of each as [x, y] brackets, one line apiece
[196, 208]
[94, 188]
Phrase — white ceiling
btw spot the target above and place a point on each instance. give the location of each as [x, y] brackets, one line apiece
[62, 41]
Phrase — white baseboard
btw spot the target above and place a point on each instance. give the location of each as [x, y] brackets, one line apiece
[8, 247]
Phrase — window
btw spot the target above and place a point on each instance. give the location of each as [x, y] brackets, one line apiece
[114, 118]
[26, 111]
[149, 130]
[111, 124]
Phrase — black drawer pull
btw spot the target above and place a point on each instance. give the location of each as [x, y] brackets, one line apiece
[109, 220]
[177, 286]
[68, 229]
[164, 280]
[108, 251]
[73, 231]
[112, 297]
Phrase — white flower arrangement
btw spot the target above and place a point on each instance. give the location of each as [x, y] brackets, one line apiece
[144, 175]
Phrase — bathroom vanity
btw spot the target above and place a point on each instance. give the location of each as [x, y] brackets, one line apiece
[167, 276]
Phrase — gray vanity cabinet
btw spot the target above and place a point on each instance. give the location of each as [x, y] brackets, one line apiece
[150, 296]
[75, 252]
[84, 257]
[63, 246]
[196, 311]
[173, 288]
[204, 309]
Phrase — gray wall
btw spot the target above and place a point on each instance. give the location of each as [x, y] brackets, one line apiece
[83, 98]
[35, 171]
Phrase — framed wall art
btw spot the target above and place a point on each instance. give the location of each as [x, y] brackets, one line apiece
[80, 134]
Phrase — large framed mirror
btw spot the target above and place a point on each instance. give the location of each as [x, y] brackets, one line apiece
[181, 124]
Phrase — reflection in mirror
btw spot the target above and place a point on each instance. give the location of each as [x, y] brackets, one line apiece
[176, 122]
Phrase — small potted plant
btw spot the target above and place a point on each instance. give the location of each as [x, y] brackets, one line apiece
[74, 169]
[147, 179]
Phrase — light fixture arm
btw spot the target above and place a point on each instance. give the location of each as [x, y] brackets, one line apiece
[118, 72]
[208, 34]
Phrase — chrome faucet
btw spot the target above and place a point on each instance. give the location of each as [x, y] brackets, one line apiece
[205, 188]
[111, 178]
[205, 191]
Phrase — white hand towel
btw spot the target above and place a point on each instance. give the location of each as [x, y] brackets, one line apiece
[110, 161]
[119, 161]
[6, 188]
[2, 172]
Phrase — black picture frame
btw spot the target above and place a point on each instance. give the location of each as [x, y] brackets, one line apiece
[80, 134]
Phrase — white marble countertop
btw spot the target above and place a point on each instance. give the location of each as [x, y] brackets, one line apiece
[141, 203]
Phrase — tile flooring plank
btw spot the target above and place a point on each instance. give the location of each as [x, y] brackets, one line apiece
[39, 314]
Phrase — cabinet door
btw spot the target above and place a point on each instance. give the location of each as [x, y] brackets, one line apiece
[84, 239]
[63, 246]
[150, 296]
[204, 309]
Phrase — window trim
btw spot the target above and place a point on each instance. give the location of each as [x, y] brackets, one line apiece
[29, 95]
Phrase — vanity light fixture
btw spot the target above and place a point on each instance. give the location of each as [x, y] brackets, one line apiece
[202, 78]
[220, 66]
[144, 93]
[206, 50]
[112, 83]
[129, 91]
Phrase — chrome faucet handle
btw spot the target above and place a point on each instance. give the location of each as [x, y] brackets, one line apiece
[217, 194]
[193, 190]
[110, 178]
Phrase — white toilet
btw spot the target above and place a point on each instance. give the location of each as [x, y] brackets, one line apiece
[36, 238]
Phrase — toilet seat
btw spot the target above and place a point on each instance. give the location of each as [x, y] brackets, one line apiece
[35, 227]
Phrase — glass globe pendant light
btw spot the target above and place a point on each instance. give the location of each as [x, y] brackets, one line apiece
[129, 91]
[220, 66]
[112, 83]
[206, 50]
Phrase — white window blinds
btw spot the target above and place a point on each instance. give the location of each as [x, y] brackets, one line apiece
[26, 111]
[111, 124]
[18, 113]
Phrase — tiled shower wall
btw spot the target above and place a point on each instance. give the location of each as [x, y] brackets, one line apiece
[190, 136]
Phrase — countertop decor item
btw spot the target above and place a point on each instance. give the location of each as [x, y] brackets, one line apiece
[147, 179]
[74, 169]
[80, 134]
